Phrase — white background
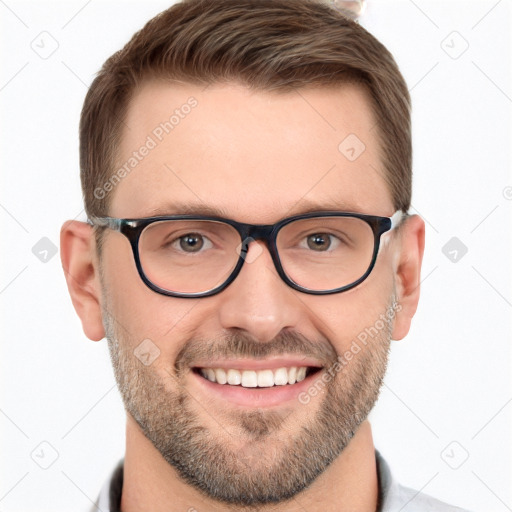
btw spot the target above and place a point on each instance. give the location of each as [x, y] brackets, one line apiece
[447, 394]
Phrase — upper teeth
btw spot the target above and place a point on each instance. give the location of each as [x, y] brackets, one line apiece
[252, 379]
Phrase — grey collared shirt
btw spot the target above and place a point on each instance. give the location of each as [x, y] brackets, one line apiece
[393, 497]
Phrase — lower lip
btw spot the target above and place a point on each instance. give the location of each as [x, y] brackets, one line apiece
[256, 397]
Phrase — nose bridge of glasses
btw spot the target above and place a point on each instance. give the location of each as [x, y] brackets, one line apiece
[253, 232]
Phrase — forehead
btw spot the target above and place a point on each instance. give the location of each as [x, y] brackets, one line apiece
[254, 156]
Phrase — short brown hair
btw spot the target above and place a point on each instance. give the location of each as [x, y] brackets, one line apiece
[270, 45]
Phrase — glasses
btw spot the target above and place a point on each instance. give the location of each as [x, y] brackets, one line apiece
[198, 256]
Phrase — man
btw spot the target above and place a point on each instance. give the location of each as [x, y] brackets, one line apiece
[246, 168]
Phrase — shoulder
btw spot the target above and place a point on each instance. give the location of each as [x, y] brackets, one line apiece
[394, 497]
[410, 500]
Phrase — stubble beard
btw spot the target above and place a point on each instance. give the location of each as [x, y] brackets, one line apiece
[252, 459]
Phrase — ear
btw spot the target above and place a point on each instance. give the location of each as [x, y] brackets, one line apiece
[408, 272]
[80, 265]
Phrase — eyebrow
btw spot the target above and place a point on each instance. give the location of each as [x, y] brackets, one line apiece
[303, 206]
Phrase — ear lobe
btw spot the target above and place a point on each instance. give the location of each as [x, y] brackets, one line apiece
[408, 273]
[77, 249]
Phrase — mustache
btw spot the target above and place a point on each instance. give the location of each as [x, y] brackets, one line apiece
[237, 345]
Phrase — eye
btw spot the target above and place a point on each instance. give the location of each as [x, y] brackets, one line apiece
[321, 242]
[191, 243]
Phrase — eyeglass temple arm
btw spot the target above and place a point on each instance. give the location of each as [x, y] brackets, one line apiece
[106, 222]
[397, 218]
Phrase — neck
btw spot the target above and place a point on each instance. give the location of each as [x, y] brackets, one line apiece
[349, 484]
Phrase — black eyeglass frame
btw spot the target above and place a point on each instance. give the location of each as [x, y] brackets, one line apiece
[133, 228]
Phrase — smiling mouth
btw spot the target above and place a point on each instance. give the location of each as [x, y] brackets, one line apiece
[267, 378]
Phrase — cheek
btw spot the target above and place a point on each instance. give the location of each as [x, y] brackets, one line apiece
[141, 313]
[342, 318]
[125, 290]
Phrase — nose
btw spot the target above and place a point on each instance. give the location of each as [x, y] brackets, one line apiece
[258, 301]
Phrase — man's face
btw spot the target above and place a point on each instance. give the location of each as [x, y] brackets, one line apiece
[259, 157]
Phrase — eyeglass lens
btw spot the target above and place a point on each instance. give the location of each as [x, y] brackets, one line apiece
[195, 256]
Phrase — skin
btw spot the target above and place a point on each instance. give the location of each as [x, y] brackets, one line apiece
[260, 157]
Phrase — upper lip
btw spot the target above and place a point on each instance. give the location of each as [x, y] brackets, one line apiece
[259, 364]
